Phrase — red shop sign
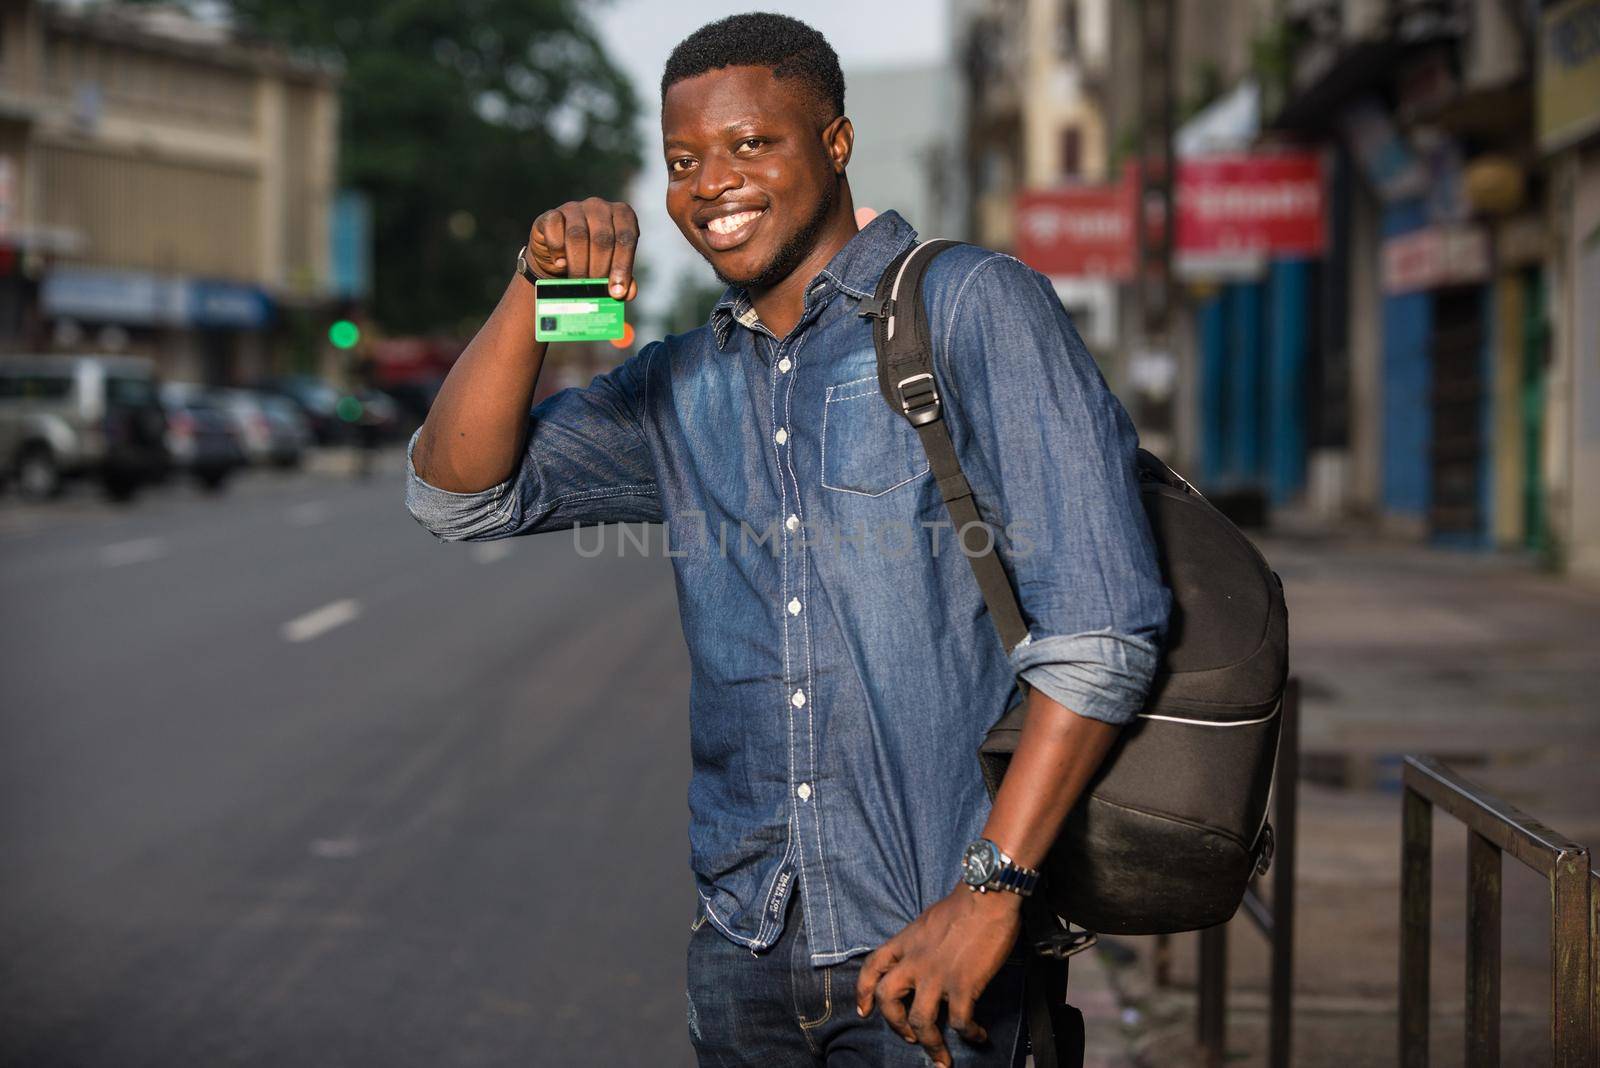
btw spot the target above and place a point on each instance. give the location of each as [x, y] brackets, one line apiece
[1266, 204]
[1077, 231]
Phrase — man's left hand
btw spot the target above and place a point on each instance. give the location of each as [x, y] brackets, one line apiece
[948, 954]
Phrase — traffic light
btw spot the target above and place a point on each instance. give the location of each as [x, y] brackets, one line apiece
[344, 334]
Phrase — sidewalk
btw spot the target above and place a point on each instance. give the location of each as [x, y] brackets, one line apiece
[1479, 660]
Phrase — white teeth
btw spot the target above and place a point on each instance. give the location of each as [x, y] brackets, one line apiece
[727, 224]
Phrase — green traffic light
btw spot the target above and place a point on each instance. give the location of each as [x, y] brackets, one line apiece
[344, 334]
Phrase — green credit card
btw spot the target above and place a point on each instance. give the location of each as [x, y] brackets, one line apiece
[576, 309]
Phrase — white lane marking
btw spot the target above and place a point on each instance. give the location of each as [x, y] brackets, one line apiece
[319, 621]
[490, 551]
[136, 551]
[309, 513]
[336, 848]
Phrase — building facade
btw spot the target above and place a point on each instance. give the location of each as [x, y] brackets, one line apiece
[165, 187]
[1056, 96]
[1430, 363]
[1462, 282]
[1034, 75]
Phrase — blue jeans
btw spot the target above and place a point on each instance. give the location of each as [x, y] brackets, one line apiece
[776, 1010]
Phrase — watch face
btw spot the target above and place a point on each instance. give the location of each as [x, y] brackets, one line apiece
[979, 863]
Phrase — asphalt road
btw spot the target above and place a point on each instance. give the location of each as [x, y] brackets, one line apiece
[285, 781]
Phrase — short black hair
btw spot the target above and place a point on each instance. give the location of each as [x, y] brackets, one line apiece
[761, 39]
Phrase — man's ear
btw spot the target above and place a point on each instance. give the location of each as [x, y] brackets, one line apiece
[839, 137]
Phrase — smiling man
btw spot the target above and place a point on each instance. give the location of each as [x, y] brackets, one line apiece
[858, 892]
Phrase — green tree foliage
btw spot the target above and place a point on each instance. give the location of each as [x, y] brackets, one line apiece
[462, 120]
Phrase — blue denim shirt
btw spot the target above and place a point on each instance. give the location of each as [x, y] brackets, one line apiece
[844, 668]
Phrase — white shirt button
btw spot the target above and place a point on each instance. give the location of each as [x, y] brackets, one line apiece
[799, 698]
[804, 790]
[794, 606]
[793, 522]
[782, 435]
[784, 364]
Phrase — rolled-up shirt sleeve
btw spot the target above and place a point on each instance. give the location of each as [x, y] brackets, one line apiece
[1050, 454]
[587, 460]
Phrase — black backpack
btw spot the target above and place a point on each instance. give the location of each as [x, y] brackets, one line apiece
[1168, 833]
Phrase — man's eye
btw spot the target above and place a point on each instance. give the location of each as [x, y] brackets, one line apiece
[752, 142]
[679, 164]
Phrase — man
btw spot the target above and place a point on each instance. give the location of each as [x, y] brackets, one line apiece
[842, 679]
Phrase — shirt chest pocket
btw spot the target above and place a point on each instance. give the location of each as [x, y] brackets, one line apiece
[867, 449]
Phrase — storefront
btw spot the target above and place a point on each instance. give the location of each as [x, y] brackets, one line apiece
[1437, 372]
[1251, 230]
[198, 330]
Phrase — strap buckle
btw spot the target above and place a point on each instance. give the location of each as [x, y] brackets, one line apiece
[1264, 850]
[873, 308]
[920, 402]
[1059, 945]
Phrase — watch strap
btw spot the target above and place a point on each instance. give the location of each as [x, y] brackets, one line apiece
[1017, 879]
[522, 266]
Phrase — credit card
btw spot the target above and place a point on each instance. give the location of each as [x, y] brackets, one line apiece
[576, 309]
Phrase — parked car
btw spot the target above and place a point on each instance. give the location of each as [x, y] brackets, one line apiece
[317, 400]
[286, 414]
[271, 428]
[64, 417]
[200, 435]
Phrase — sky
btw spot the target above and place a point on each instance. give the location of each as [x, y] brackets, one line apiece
[639, 34]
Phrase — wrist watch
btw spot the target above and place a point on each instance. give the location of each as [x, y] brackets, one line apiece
[985, 867]
[522, 266]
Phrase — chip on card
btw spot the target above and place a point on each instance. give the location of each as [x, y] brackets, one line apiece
[576, 309]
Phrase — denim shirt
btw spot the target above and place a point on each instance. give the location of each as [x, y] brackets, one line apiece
[844, 668]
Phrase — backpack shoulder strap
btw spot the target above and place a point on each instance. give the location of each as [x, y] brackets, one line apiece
[910, 386]
[900, 331]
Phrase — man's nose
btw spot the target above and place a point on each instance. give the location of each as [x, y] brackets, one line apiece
[716, 178]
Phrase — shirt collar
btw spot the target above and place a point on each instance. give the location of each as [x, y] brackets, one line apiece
[854, 269]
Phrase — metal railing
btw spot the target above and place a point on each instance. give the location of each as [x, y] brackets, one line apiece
[1275, 921]
[1495, 828]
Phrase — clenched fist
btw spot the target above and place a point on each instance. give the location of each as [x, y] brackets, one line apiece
[591, 238]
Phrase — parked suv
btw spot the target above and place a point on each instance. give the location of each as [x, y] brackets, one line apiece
[69, 416]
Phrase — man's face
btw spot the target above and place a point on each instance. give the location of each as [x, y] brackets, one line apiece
[751, 171]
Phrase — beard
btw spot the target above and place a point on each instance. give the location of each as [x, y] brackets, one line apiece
[790, 254]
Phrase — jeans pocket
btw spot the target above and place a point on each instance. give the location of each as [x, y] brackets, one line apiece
[867, 448]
